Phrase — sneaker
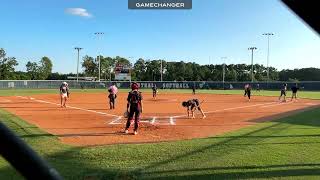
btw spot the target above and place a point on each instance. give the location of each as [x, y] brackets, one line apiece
[204, 117]
[135, 132]
[126, 131]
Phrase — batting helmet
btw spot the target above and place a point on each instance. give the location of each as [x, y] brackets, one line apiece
[134, 86]
[184, 104]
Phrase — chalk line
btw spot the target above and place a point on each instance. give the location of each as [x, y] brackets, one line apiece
[278, 104]
[227, 109]
[73, 107]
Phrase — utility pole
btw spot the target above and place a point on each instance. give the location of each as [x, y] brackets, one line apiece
[252, 48]
[224, 69]
[98, 34]
[131, 59]
[268, 35]
[78, 49]
[161, 70]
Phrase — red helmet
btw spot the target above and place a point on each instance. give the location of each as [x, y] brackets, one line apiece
[134, 86]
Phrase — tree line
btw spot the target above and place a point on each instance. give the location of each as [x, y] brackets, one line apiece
[149, 70]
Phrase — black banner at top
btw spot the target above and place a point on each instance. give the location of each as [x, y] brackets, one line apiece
[160, 4]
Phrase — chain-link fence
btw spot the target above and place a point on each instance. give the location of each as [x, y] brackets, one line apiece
[54, 84]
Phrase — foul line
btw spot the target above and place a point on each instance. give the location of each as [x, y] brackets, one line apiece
[278, 104]
[72, 107]
[227, 109]
[153, 120]
[172, 122]
[22, 97]
[115, 121]
[5, 100]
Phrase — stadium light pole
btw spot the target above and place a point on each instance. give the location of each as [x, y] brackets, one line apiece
[98, 34]
[78, 49]
[224, 69]
[268, 35]
[131, 58]
[161, 71]
[252, 49]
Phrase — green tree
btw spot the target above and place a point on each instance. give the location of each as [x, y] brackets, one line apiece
[7, 65]
[45, 68]
[33, 70]
[139, 69]
[20, 75]
[41, 70]
[90, 66]
[122, 61]
[107, 66]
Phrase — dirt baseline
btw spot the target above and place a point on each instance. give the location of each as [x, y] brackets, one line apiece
[87, 121]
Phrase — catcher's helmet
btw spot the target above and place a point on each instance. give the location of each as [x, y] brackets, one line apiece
[134, 86]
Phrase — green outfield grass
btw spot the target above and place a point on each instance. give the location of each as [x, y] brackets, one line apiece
[288, 148]
[25, 92]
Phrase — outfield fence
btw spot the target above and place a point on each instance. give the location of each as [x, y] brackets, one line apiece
[54, 84]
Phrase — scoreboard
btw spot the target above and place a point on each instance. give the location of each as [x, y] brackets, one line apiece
[122, 72]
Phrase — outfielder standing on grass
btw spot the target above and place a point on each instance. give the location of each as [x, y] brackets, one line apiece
[194, 89]
[258, 87]
[192, 105]
[294, 90]
[64, 94]
[134, 107]
[113, 90]
[154, 91]
[283, 92]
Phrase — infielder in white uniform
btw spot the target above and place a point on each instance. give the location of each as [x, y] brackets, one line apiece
[64, 93]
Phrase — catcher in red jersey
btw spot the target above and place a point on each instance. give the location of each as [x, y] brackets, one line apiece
[134, 107]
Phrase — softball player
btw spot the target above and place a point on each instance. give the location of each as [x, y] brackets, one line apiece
[194, 89]
[247, 91]
[154, 91]
[134, 107]
[294, 90]
[112, 95]
[258, 87]
[64, 94]
[283, 92]
[191, 106]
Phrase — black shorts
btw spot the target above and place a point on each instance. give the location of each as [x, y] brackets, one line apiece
[112, 97]
[283, 92]
[197, 104]
[249, 93]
